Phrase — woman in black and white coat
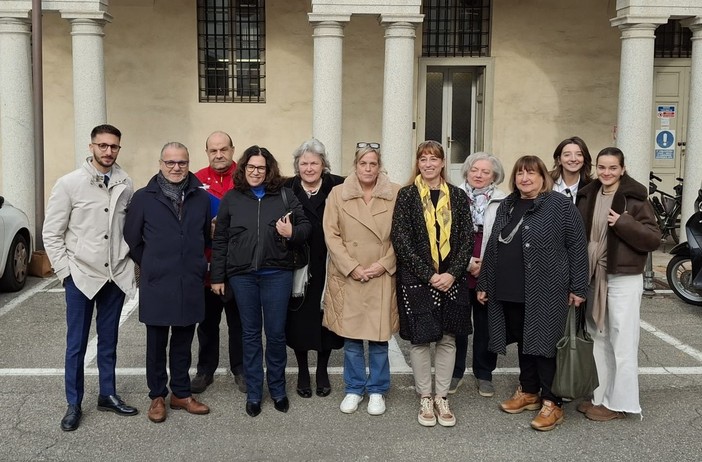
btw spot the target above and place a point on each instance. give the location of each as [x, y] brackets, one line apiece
[534, 266]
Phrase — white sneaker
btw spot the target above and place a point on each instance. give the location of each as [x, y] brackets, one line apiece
[350, 403]
[376, 404]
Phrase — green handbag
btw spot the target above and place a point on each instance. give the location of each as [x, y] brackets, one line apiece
[576, 373]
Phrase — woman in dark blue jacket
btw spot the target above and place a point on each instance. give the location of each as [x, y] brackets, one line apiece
[252, 249]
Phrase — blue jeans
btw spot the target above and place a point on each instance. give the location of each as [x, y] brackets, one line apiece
[79, 315]
[263, 303]
[355, 378]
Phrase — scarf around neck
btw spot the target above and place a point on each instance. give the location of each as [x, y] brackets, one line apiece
[478, 200]
[441, 215]
[173, 191]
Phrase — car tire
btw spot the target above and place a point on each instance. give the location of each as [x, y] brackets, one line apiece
[15, 274]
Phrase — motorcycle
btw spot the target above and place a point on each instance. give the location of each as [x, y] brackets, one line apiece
[683, 271]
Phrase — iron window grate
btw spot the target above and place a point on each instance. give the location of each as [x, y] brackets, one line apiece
[456, 28]
[231, 51]
[673, 40]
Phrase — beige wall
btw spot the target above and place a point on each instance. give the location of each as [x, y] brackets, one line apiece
[556, 74]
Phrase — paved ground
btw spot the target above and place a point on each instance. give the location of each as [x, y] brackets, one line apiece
[32, 403]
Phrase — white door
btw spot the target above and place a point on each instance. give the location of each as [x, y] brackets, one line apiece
[671, 87]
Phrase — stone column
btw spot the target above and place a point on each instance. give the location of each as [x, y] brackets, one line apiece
[17, 114]
[89, 101]
[397, 143]
[327, 83]
[634, 131]
[693, 149]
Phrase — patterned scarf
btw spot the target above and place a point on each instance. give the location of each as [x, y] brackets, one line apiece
[478, 200]
[432, 216]
[174, 191]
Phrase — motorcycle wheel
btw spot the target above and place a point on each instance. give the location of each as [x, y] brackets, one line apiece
[679, 275]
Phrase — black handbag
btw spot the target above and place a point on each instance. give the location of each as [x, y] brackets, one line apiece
[576, 372]
[300, 253]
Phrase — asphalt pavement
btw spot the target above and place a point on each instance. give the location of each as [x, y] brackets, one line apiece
[32, 402]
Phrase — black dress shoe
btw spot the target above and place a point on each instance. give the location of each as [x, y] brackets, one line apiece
[115, 404]
[253, 408]
[282, 404]
[200, 383]
[305, 392]
[323, 391]
[71, 420]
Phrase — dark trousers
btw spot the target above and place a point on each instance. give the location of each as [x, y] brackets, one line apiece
[484, 360]
[178, 359]
[208, 335]
[263, 304]
[79, 315]
[535, 372]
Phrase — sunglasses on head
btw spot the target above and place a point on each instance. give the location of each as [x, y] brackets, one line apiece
[364, 144]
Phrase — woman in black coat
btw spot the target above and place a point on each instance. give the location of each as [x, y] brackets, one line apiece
[534, 266]
[312, 184]
[432, 233]
[167, 227]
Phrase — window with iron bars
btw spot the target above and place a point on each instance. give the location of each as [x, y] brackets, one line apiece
[456, 28]
[673, 40]
[231, 50]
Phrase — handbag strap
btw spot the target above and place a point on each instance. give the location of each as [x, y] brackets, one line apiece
[284, 195]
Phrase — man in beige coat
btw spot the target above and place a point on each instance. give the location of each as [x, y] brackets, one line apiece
[360, 300]
[84, 242]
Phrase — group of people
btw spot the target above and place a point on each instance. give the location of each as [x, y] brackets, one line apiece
[430, 260]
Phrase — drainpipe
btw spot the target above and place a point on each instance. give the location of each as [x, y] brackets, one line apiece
[38, 95]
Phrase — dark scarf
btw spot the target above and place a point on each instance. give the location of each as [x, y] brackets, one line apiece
[174, 191]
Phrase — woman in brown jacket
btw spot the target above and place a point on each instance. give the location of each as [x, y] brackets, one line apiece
[621, 229]
[360, 302]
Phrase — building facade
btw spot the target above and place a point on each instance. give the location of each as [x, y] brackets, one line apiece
[508, 77]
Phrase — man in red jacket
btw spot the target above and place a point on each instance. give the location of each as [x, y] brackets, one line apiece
[217, 179]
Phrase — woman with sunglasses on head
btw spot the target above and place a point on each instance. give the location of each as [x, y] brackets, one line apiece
[252, 251]
[432, 233]
[359, 299]
[621, 229]
[312, 184]
[572, 165]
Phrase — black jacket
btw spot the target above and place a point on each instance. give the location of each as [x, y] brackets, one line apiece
[170, 253]
[245, 238]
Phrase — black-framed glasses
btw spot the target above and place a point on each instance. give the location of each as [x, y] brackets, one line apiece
[365, 144]
[172, 163]
[259, 168]
[103, 147]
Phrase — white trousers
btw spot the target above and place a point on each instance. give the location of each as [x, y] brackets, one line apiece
[616, 347]
[444, 360]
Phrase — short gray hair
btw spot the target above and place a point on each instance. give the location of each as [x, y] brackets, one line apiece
[498, 173]
[314, 146]
[174, 144]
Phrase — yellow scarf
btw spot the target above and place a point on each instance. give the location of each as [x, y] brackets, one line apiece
[442, 214]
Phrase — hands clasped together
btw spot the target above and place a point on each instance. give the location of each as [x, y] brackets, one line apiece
[362, 274]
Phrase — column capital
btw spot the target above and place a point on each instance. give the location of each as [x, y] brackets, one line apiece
[93, 16]
[15, 25]
[694, 24]
[388, 19]
[636, 21]
[323, 18]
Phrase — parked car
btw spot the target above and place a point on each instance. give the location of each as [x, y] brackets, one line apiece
[15, 247]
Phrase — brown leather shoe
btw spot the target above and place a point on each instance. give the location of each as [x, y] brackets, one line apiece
[521, 401]
[190, 404]
[549, 416]
[584, 406]
[157, 410]
[600, 413]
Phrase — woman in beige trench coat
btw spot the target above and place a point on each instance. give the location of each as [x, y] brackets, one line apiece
[359, 299]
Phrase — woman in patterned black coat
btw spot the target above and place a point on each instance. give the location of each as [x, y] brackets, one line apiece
[432, 233]
[534, 266]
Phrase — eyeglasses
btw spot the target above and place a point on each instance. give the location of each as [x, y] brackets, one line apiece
[364, 144]
[103, 147]
[172, 163]
[259, 168]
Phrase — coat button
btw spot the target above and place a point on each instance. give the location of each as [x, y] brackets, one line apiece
[107, 210]
[526, 227]
[106, 237]
[527, 245]
[355, 244]
[106, 265]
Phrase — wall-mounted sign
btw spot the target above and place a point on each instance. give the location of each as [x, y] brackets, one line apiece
[665, 138]
[666, 112]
